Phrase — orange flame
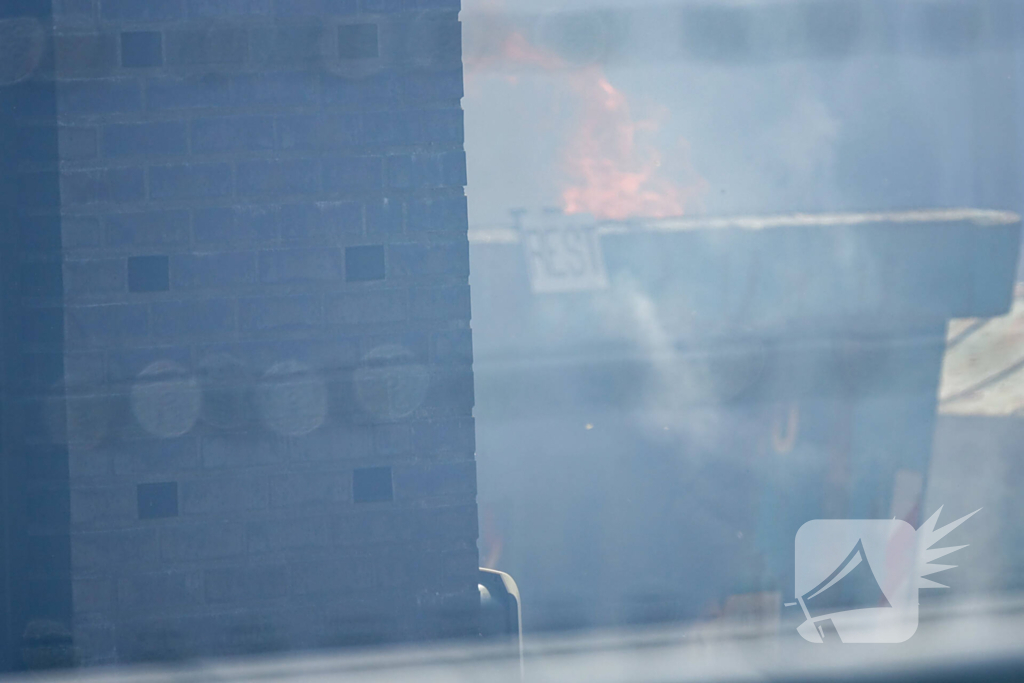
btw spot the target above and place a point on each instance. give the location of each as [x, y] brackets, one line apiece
[610, 172]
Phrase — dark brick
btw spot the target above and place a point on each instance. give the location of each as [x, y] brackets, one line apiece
[332, 129]
[41, 279]
[109, 550]
[330, 444]
[193, 92]
[203, 9]
[94, 276]
[392, 439]
[371, 528]
[147, 228]
[432, 86]
[105, 324]
[422, 42]
[48, 508]
[115, 185]
[313, 488]
[206, 496]
[36, 100]
[66, 10]
[358, 41]
[332, 222]
[451, 389]
[242, 451]
[364, 264]
[442, 214]
[42, 326]
[143, 10]
[85, 53]
[390, 128]
[77, 142]
[247, 584]
[278, 535]
[451, 303]
[164, 138]
[78, 232]
[94, 595]
[445, 436]
[315, 8]
[158, 501]
[429, 480]
[43, 370]
[300, 131]
[36, 143]
[234, 224]
[232, 134]
[353, 174]
[385, 216]
[289, 45]
[156, 456]
[280, 89]
[453, 346]
[109, 505]
[199, 271]
[148, 274]
[194, 181]
[279, 313]
[438, 126]
[279, 177]
[38, 189]
[449, 522]
[438, 42]
[296, 265]
[369, 307]
[429, 260]
[142, 49]
[211, 540]
[345, 574]
[372, 485]
[41, 550]
[202, 318]
[99, 97]
[159, 592]
[208, 45]
[364, 92]
[421, 171]
[387, 6]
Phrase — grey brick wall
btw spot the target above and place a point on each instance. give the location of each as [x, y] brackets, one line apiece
[263, 287]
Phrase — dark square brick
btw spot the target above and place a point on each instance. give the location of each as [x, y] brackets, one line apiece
[148, 274]
[141, 49]
[158, 501]
[372, 485]
[363, 264]
[358, 41]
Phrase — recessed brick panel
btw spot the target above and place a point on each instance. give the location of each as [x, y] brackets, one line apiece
[372, 485]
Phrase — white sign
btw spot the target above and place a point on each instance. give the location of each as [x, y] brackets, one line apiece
[857, 580]
[563, 254]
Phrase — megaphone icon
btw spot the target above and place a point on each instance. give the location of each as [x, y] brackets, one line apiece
[850, 587]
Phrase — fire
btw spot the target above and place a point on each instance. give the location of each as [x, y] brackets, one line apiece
[609, 169]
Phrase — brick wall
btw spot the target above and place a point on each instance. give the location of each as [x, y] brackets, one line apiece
[35, 581]
[266, 348]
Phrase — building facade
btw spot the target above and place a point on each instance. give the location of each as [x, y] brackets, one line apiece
[238, 383]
